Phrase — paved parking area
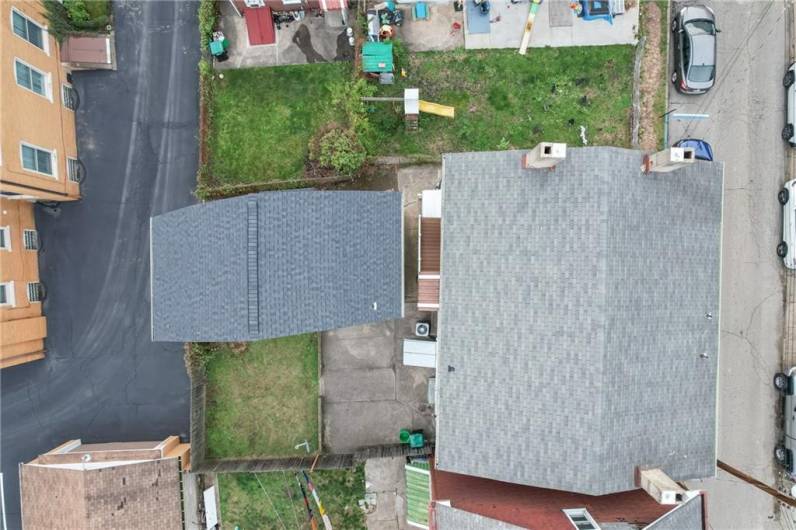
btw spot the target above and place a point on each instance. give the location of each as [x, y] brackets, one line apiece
[104, 379]
[746, 109]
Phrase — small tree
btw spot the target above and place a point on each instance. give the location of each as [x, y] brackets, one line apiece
[341, 150]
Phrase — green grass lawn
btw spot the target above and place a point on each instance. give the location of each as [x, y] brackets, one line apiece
[504, 100]
[263, 118]
[264, 401]
[276, 502]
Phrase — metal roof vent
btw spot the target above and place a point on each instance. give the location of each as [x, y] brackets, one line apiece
[545, 154]
[668, 159]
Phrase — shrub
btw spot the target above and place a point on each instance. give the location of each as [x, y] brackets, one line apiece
[341, 150]
[207, 21]
[197, 355]
[71, 17]
[77, 10]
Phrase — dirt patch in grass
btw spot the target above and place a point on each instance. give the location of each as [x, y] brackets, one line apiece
[653, 73]
[263, 401]
[274, 500]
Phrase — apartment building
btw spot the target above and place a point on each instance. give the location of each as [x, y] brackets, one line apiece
[38, 162]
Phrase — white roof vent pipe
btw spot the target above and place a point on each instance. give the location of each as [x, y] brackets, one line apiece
[668, 159]
[545, 154]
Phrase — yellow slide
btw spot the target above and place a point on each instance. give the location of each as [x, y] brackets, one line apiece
[436, 108]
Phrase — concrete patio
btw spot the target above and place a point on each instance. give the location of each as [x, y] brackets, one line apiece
[315, 39]
[437, 33]
[507, 23]
[368, 393]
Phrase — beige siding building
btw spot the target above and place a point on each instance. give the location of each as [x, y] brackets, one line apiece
[38, 162]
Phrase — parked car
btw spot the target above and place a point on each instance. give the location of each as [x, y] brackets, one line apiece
[790, 105]
[694, 37]
[702, 149]
[784, 452]
[787, 247]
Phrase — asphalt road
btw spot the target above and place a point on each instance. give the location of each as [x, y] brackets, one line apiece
[746, 109]
[103, 379]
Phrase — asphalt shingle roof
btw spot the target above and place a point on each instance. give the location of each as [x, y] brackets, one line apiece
[579, 320]
[449, 518]
[276, 264]
[687, 516]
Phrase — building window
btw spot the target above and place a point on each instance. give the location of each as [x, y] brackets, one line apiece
[5, 238]
[7, 294]
[74, 170]
[35, 293]
[32, 79]
[31, 239]
[69, 96]
[580, 519]
[38, 160]
[27, 29]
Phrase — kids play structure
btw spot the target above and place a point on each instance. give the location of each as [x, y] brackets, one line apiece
[413, 106]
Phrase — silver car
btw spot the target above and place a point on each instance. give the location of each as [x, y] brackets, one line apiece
[784, 451]
[694, 38]
[790, 105]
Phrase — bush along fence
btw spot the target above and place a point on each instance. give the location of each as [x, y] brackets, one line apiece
[208, 18]
[73, 17]
[196, 357]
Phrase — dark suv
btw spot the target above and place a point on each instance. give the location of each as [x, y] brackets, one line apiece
[694, 36]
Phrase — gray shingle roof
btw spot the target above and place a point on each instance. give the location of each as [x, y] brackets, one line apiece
[687, 516]
[573, 314]
[449, 518]
[276, 264]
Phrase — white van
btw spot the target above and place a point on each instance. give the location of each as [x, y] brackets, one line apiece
[787, 247]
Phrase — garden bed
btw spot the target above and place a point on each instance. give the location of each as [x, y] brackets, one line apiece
[274, 500]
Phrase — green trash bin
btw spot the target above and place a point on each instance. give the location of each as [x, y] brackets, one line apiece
[416, 440]
[403, 436]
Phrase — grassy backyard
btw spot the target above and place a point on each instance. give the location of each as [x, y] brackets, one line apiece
[276, 502]
[263, 118]
[263, 401]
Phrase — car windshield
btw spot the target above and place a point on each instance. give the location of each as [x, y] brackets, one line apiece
[700, 73]
[701, 27]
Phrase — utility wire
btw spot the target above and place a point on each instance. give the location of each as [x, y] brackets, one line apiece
[269, 500]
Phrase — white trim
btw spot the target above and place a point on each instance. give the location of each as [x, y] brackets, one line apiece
[7, 230]
[45, 35]
[428, 306]
[581, 512]
[427, 276]
[53, 156]
[12, 299]
[48, 80]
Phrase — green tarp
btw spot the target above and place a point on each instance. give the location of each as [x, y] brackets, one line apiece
[377, 57]
[418, 494]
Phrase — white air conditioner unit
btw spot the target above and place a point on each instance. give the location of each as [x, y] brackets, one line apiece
[254, 3]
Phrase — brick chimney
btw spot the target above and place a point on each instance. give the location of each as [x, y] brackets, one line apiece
[668, 159]
[544, 155]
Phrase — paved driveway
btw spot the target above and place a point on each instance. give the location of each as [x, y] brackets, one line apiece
[103, 379]
[746, 110]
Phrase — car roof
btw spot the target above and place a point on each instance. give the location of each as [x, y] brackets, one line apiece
[703, 50]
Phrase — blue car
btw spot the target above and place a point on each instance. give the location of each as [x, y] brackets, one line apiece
[701, 148]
